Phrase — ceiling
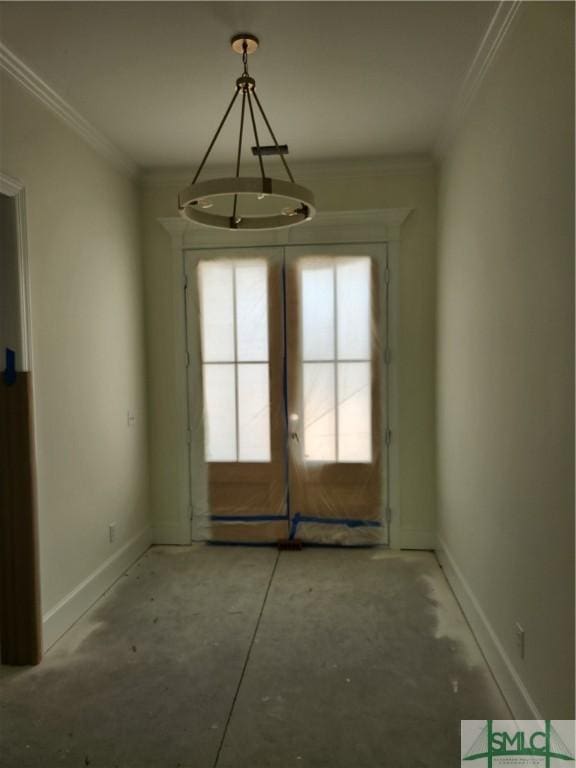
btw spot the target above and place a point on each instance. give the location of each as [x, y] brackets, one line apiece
[339, 80]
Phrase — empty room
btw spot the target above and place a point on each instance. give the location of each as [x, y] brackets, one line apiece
[287, 384]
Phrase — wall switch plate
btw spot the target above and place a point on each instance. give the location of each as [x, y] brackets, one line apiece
[130, 418]
[520, 639]
[112, 532]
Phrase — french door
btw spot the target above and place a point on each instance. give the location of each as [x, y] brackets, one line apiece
[288, 394]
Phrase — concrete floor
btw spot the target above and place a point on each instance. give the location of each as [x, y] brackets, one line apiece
[233, 657]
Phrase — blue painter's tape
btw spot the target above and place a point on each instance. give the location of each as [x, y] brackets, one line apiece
[338, 545]
[247, 518]
[10, 371]
[217, 543]
[349, 522]
[294, 524]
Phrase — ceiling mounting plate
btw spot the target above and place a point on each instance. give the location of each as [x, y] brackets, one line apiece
[237, 42]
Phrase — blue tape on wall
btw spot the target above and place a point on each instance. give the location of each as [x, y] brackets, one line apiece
[10, 371]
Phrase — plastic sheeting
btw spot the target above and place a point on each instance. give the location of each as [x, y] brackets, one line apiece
[287, 394]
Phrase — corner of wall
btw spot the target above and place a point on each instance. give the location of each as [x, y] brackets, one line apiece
[68, 610]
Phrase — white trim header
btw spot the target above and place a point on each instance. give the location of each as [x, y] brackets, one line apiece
[368, 226]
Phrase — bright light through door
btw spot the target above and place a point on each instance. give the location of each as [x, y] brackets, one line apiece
[336, 349]
[235, 359]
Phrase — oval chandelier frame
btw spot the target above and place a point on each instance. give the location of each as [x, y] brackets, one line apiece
[192, 201]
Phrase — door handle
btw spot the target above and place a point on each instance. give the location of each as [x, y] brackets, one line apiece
[294, 418]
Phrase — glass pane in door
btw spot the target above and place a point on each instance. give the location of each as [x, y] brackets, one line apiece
[317, 301]
[220, 412]
[335, 296]
[354, 412]
[251, 310]
[216, 282]
[253, 412]
[319, 413]
[235, 359]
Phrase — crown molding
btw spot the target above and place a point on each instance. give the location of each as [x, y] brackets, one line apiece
[331, 169]
[34, 84]
[496, 32]
[10, 186]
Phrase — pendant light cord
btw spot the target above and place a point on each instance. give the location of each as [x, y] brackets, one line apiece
[245, 88]
[245, 57]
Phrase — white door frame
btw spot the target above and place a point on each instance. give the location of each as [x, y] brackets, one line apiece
[327, 228]
[14, 188]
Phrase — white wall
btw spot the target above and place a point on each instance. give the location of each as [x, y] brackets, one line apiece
[413, 187]
[506, 361]
[87, 351]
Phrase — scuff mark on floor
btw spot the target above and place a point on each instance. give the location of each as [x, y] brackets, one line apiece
[72, 641]
[450, 622]
[415, 556]
[169, 549]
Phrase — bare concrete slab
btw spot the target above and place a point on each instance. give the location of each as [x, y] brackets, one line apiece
[362, 658]
[147, 677]
[232, 657]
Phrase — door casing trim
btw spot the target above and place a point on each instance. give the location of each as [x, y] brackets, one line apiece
[330, 228]
[15, 189]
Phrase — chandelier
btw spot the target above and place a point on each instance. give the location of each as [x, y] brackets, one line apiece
[195, 201]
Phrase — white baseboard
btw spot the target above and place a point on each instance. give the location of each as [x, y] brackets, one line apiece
[508, 679]
[172, 533]
[68, 610]
[417, 538]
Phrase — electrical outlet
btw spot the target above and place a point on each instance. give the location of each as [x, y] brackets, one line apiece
[112, 532]
[130, 418]
[520, 640]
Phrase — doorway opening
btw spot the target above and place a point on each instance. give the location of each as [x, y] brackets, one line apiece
[289, 394]
[20, 614]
